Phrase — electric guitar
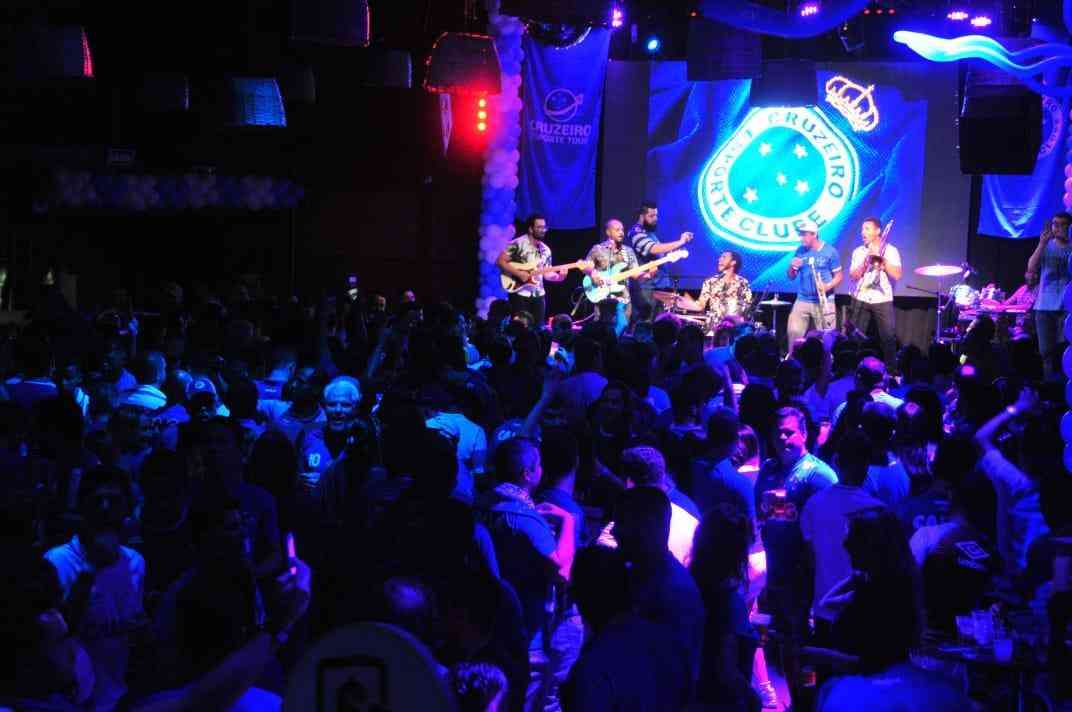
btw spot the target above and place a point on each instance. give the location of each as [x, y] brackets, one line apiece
[614, 276]
[512, 284]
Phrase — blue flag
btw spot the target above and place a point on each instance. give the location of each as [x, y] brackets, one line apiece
[562, 89]
[1020, 206]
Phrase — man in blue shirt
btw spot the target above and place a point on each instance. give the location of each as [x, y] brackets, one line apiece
[814, 258]
[646, 245]
[1049, 264]
[715, 480]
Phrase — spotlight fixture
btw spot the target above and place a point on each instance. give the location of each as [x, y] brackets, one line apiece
[809, 9]
[981, 21]
[653, 44]
[957, 15]
[617, 17]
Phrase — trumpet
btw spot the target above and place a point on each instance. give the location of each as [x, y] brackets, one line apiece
[818, 285]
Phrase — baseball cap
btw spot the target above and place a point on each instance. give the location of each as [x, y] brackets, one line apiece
[200, 385]
[808, 226]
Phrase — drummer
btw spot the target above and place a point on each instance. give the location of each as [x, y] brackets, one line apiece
[725, 294]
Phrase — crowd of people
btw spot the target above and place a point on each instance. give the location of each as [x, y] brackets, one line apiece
[564, 517]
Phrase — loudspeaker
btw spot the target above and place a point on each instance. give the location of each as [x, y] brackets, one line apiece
[342, 23]
[591, 11]
[1000, 125]
[784, 83]
[717, 51]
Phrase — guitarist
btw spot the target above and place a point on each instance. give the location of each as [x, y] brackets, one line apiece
[603, 255]
[875, 267]
[529, 249]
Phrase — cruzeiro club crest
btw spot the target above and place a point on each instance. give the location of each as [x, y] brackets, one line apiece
[781, 167]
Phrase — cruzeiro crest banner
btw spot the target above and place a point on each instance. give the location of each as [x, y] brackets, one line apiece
[562, 88]
[1020, 206]
[746, 177]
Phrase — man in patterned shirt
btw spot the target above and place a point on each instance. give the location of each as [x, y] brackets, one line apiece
[725, 294]
[522, 259]
[605, 255]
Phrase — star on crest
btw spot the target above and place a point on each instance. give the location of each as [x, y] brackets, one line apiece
[764, 148]
[799, 151]
[801, 187]
[781, 179]
[751, 195]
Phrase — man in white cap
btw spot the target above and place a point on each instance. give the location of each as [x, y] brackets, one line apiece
[814, 258]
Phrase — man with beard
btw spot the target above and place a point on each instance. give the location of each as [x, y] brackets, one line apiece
[646, 244]
[102, 581]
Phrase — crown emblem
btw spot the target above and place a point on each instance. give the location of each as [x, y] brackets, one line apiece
[856, 103]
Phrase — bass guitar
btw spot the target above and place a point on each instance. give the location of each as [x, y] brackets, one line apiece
[512, 284]
[614, 276]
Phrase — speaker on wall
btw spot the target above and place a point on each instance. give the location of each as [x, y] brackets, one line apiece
[1000, 125]
[343, 23]
[592, 11]
[784, 82]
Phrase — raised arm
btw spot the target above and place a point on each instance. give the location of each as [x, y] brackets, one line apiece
[1035, 259]
[657, 249]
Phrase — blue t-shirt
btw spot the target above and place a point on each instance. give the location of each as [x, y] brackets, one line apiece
[804, 478]
[827, 264]
[715, 483]
[1053, 276]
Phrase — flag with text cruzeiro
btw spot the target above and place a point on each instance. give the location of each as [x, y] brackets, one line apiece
[1020, 206]
[562, 90]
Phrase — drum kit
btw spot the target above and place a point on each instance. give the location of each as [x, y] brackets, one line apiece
[672, 303]
[966, 302]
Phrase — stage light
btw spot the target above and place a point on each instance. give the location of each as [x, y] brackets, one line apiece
[617, 17]
[957, 15]
[482, 127]
[482, 115]
[981, 21]
[653, 45]
[809, 9]
[482, 103]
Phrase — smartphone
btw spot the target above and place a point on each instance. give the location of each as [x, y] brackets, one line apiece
[292, 554]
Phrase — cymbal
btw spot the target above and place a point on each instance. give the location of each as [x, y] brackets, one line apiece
[938, 270]
[774, 303]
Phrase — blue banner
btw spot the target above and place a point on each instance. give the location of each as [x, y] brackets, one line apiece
[1019, 206]
[562, 89]
[744, 178]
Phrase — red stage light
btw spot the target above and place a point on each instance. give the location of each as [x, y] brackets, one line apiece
[482, 103]
[481, 115]
[481, 127]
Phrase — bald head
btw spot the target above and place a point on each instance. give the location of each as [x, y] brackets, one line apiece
[614, 230]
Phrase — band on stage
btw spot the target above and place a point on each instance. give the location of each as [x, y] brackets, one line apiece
[625, 280]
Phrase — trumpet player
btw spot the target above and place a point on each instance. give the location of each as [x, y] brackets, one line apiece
[818, 268]
[875, 268]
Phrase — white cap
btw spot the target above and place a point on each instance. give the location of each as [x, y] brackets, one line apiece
[808, 226]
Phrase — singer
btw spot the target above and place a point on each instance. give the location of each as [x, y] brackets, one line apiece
[875, 267]
[819, 268]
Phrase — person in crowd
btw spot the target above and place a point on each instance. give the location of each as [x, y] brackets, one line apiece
[284, 363]
[871, 378]
[661, 588]
[33, 381]
[832, 384]
[879, 623]
[584, 387]
[887, 478]
[954, 459]
[304, 395]
[320, 447]
[535, 558]
[632, 662]
[478, 687]
[958, 559]
[715, 478]
[1019, 518]
[150, 370]
[719, 566]
[825, 518]
[645, 467]
[103, 582]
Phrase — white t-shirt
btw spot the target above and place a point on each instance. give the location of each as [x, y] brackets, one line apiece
[682, 530]
[115, 602]
[868, 289]
[824, 523]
